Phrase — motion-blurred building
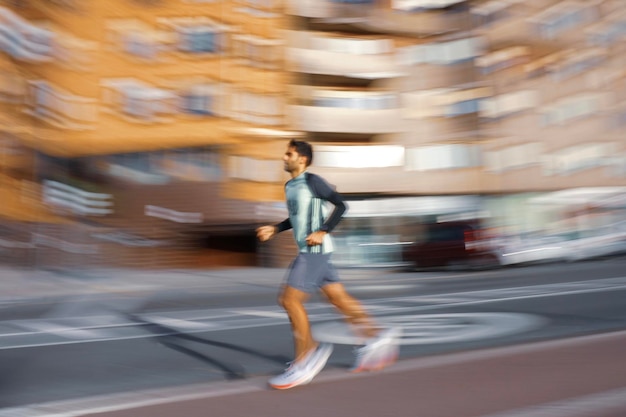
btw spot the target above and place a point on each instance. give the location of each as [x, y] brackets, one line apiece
[149, 132]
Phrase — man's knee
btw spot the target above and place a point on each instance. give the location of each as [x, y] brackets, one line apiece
[336, 294]
[291, 298]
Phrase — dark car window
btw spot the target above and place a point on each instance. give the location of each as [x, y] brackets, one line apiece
[446, 234]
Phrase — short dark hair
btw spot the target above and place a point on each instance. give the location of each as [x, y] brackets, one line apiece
[303, 148]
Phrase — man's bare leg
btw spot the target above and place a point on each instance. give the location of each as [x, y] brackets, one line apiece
[382, 347]
[292, 300]
[352, 309]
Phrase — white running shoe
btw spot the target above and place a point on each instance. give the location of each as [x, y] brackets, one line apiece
[293, 376]
[302, 372]
[379, 352]
[318, 359]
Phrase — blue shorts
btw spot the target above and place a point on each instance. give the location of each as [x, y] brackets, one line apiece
[311, 271]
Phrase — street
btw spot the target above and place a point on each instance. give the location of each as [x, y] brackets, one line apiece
[115, 343]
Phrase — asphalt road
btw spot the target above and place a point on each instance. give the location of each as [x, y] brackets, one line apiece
[113, 343]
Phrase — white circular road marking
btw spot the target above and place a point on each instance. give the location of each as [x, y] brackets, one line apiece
[421, 329]
[380, 288]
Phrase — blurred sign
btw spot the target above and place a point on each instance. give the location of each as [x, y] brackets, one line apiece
[173, 215]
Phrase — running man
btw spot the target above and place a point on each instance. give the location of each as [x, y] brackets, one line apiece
[306, 194]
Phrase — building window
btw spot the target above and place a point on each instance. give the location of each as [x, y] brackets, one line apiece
[199, 99]
[443, 102]
[189, 164]
[580, 157]
[418, 5]
[513, 157]
[606, 34]
[138, 39]
[564, 17]
[139, 101]
[355, 100]
[572, 108]
[196, 103]
[353, 46]
[463, 107]
[493, 11]
[375, 156]
[252, 169]
[508, 104]
[139, 45]
[438, 157]
[197, 35]
[198, 39]
[442, 53]
[258, 52]
[577, 62]
[60, 107]
[192, 164]
[258, 108]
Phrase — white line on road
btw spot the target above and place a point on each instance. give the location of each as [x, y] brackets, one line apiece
[262, 313]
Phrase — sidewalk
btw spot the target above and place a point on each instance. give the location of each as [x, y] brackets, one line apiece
[579, 377]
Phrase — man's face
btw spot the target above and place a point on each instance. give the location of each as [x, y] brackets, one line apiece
[292, 160]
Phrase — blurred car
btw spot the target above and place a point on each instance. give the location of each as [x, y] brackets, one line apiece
[594, 243]
[575, 245]
[533, 248]
[460, 244]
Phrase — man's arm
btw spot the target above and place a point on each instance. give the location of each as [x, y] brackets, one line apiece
[282, 226]
[322, 189]
[265, 233]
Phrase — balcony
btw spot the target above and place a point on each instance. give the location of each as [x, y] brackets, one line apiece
[565, 19]
[23, 40]
[419, 21]
[398, 169]
[400, 181]
[60, 108]
[347, 120]
[337, 10]
[357, 58]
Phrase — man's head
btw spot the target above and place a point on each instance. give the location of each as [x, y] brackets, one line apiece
[303, 148]
[298, 156]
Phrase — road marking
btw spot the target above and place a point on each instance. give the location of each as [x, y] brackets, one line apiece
[230, 319]
[63, 331]
[597, 403]
[262, 313]
[181, 324]
[379, 288]
[421, 329]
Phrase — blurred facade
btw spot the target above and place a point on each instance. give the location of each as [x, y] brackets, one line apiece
[149, 133]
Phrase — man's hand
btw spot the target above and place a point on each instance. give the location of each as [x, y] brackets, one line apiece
[265, 233]
[315, 238]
